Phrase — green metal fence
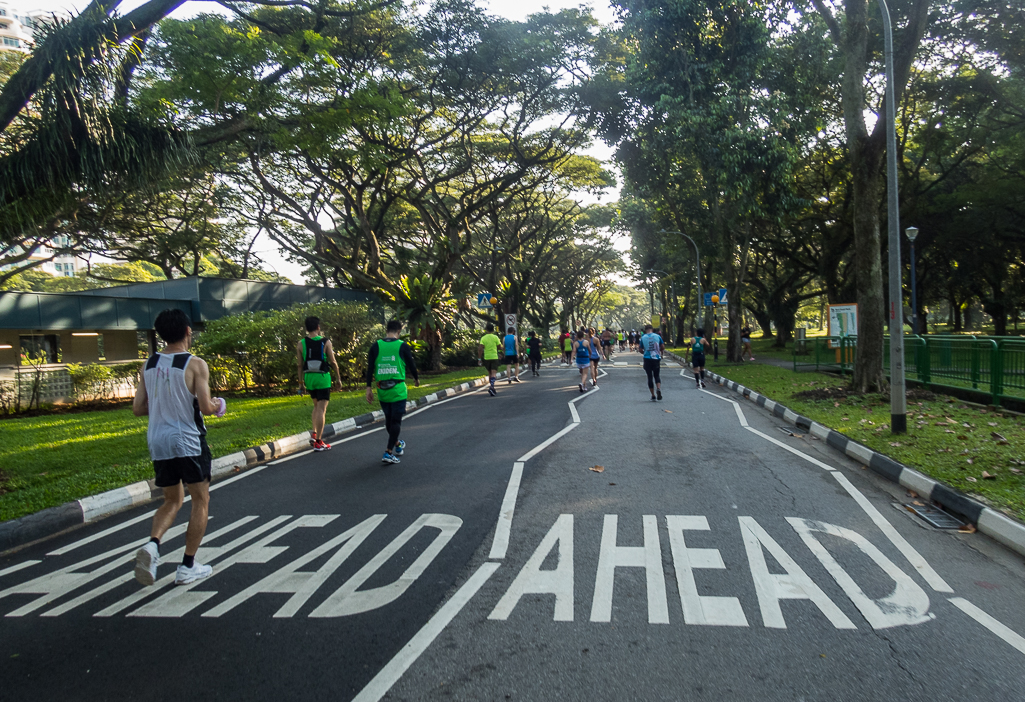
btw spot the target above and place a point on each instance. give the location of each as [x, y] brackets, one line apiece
[993, 365]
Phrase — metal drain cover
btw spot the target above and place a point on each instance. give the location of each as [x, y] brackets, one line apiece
[935, 516]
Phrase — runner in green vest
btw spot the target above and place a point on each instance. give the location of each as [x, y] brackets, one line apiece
[313, 354]
[387, 363]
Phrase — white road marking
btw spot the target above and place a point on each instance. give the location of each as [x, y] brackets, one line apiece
[101, 534]
[914, 557]
[505, 516]
[349, 599]
[532, 580]
[182, 599]
[1004, 632]
[394, 669]
[302, 584]
[916, 560]
[16, 568]
[648, 556]
[907, 605]
[795, 585]
[699, 609]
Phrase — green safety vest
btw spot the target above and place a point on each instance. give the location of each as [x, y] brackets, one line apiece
[316, 375]
[390, 371]
[569, 343]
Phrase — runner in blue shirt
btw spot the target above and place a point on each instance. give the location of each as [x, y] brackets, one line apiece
[653, 347]
[512, 356]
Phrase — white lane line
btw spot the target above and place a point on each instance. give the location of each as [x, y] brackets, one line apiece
[16, 568]
[736, 407]
[501, 543]
[990, 623]
[916, 560]
[397, 666]
[547, 442]
[914, 557]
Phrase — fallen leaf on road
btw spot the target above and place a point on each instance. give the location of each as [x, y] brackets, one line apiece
[972, 480]
[988, 476]
[669, 411]
[912, 493]
[597, 469]
[611, 483]
[967, 528]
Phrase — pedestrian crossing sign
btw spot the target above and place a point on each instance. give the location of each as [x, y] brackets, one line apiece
[484, 301]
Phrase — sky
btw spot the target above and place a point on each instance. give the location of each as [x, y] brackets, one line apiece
[511, 9]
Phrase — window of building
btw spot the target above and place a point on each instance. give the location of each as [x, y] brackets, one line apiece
[45, 346]
[3, 12]
[11, 42]
[4, 25]
[58, 267]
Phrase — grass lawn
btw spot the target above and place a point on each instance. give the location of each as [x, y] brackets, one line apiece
[48, 460]
[947, 439]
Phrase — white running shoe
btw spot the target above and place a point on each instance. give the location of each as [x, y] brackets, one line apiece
[147, 559]
[198, 571]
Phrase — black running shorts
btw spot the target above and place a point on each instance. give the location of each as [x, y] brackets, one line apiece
[511, 360]
[187, 469]
[491, 364]
[697, 359]
[319, 394]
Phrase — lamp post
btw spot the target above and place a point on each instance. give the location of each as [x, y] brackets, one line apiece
[911, 233]
[898, 398]
[697, 262]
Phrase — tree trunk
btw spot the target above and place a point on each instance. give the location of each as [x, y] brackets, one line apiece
[868, 363]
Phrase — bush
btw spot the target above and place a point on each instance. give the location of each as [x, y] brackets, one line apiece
[127, 373]
[92, 380]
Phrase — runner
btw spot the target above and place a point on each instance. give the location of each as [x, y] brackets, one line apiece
[594, 341]
[387, 363]
[487, 350]
[745, 338]
[310, 354]
[653, 347]
[582, 353]
[567, 346]
[697, 357]
[633, 339]
[606, 343]
[534, 352]
[622, 340]
[174, 391]
[512, 356]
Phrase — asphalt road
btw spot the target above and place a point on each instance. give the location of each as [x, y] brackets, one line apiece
[714, 557]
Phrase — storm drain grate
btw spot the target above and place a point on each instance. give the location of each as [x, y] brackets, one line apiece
[935, 516]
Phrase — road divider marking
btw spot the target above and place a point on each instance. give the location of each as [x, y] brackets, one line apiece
[505, 516]
[15, 568]
[388, 675]
[1002, 631]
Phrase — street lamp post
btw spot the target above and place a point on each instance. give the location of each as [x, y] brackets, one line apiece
[898, 398]
[697, 262]
[912, 233]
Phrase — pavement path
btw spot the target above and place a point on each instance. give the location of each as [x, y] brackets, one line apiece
[714, 557]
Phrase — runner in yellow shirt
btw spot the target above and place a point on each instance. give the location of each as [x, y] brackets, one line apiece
[487, 350]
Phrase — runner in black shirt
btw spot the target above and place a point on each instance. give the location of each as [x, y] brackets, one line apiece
[534, 352]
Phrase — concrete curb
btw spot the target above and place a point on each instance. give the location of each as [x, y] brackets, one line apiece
[53, 520]
[997, 525]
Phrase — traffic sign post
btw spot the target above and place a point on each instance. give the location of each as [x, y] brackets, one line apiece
[484, 301]
[510, 321]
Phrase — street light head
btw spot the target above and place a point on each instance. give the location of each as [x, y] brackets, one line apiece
[911, 233]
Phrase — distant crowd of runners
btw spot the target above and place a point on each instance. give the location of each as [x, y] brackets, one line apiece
[174, 393]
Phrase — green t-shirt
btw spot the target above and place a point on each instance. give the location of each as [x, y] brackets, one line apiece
[490, 342]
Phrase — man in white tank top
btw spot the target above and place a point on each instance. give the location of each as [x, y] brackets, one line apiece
[174, 391]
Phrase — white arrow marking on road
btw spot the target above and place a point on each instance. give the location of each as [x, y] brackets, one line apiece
[648, 556]
[302, 584]
[699, 609]
[532, 580]
[795, 585]
[907, 605]
[348, 599]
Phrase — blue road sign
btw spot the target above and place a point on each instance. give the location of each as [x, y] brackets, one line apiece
[484, 301]
[722, 296]
[708, 299]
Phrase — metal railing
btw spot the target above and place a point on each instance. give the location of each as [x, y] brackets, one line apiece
[994, 365]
